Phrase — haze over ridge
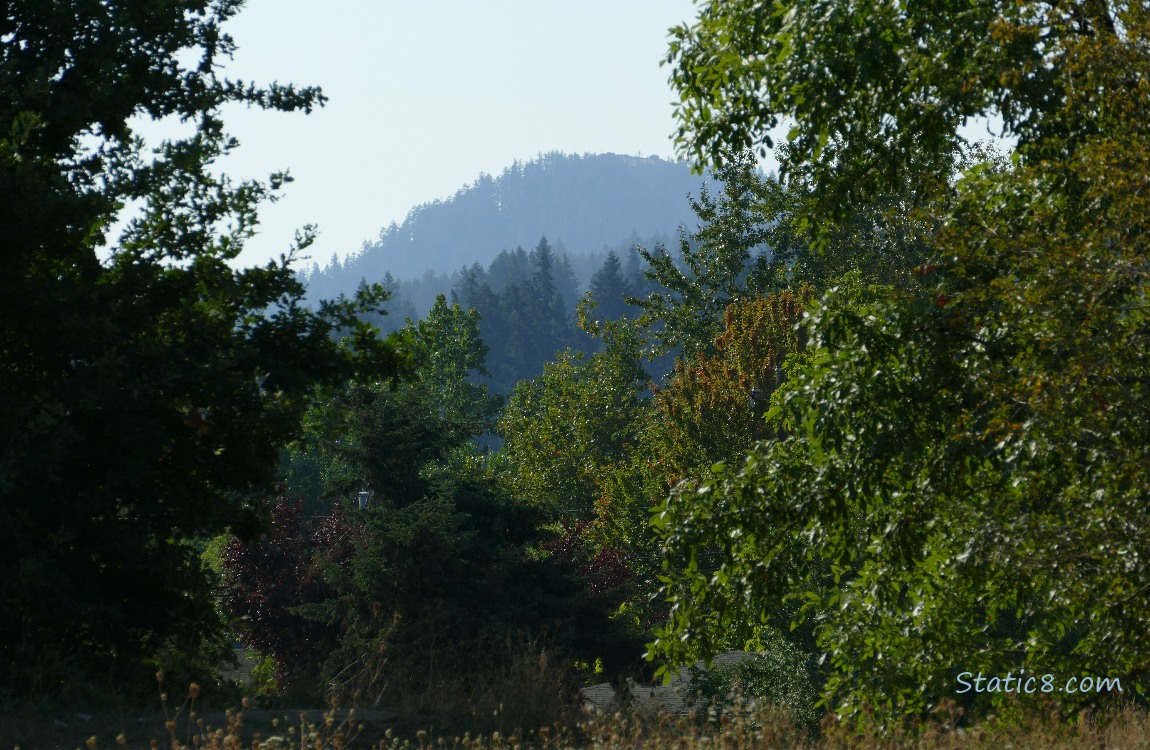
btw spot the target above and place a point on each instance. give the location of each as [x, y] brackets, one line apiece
[582, 203]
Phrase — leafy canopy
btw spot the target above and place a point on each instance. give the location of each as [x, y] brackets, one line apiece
[874, 91]
[146, 385]
[961, 462]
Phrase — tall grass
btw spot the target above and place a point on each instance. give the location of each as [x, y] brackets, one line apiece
[182, 728]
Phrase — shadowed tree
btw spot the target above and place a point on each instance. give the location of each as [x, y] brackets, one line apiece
[146, 385]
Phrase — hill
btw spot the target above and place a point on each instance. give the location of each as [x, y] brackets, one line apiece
[582, 204]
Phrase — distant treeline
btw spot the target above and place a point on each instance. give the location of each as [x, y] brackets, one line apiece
[527, 301]
[596, 209]
[584, 204]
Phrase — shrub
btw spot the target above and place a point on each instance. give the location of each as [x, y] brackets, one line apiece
[270, 579]
[605, 569]
[437, 584]
[780, 676]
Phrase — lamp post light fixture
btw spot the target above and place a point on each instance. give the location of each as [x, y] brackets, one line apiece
[363, 498]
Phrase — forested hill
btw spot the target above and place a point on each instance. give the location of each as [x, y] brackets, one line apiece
[582, 204]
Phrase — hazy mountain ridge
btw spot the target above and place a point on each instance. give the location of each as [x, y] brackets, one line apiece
[584, 204]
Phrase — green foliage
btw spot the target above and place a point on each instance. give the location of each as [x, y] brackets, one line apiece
[451, 358]
[882, 238]
[793, 520]
[915, 537]
[959, 461]
[441, 577]
[386, 436]
[757, 238]
[147, 384]
[574, 449]
[954, 475]
[438, 571]
[565, 429]
[876, 90]
[778, 675]
[717, 264]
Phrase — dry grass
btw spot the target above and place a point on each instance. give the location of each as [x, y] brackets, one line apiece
[184, 729]
[528, 704]
[507, 685]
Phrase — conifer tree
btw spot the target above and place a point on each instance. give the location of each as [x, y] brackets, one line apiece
[609, 289]
[726, 260]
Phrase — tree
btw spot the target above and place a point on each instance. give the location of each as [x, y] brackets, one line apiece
[436, 570]
[574, 450]
[147, 385]
[524, 318]
[563, 429]
[609, 289]
[269, 579]
[717, 265]
[877, 90]
[566, 284]
[372, 435]
[712, 409]
[451, 356]
[508, 268]
[961, 463]
[399, 308]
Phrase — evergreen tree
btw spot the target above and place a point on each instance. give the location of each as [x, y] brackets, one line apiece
[634, 270]
[436, 568]
[565, 282]
[398, 310]
[543, 268]
[609, 289]
[508, 268]
[556, 330]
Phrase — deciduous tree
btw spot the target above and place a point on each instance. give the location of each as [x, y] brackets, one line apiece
[727, 259]
[964, 462]
[712, 409]
[564, 428]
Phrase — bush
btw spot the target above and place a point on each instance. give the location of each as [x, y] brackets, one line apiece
[438, 584]
[270, 579]
[780, 676]
[606, 569]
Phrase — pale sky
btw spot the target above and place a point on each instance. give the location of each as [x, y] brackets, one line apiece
[425, 96]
